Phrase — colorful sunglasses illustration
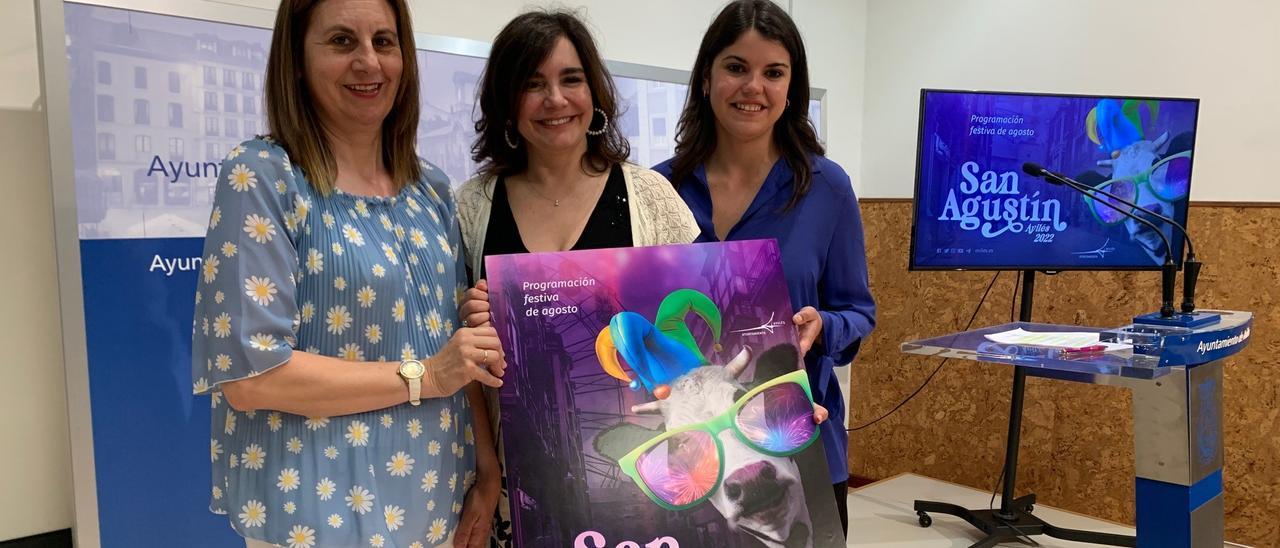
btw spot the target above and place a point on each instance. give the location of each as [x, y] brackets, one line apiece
[1168, 179]
[683, 467]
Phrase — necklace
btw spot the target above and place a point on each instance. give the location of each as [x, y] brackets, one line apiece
[555, 202]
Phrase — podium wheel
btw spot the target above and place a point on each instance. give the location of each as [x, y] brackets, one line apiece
[925, 520]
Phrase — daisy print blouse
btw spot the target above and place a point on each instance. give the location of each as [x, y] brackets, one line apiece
[362, 278]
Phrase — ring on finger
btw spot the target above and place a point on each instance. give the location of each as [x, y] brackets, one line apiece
[485, 358]
[465, 323]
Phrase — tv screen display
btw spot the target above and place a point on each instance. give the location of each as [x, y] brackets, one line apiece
[976, 209]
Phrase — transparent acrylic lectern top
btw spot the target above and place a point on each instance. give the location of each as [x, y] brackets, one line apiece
[1154, 350]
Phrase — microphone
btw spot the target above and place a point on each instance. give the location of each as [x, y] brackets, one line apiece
[1169, 270]
[1036, 170]
[1192, 266]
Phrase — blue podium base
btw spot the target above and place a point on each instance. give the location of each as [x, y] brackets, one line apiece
[1179, 515]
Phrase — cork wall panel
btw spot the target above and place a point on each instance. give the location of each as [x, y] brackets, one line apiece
[1077, 440]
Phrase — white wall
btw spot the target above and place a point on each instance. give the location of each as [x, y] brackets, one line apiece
[19, 63]
[835, 34]
[35, 485]
[1227, 53]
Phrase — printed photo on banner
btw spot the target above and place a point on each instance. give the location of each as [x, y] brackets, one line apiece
[655, 396]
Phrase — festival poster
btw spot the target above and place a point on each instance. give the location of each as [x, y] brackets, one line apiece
[977, 209]
[654, 397]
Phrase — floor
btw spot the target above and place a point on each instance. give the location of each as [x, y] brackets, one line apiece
[881, 514]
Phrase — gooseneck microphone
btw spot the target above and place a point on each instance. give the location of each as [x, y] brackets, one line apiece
[1058, 178]
[1191, 266]
[1169, 271]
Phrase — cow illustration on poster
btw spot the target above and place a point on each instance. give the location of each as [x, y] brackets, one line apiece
[653, 398]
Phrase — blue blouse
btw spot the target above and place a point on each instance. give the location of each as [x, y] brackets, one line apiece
[360, 278]
[825, 263]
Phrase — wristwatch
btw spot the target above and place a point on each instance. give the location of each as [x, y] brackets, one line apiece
[412, 371]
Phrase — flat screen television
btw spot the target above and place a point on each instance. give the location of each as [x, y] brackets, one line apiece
[975, 209]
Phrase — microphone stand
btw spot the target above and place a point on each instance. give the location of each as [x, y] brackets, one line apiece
[1191, 266]
[1188, 317]
[1169, 270]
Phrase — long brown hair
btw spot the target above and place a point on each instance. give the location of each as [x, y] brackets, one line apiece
[293, 119]
[793, 133]
[517, 52]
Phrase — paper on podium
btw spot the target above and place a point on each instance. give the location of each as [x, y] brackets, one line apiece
[1054, 339]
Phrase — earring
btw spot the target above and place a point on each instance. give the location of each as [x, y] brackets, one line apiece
[603, 127]
[788, 103]
[506, 136]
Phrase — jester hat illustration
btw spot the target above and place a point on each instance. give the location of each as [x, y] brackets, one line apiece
[657, 354]
[1115, 124]
[677, 305]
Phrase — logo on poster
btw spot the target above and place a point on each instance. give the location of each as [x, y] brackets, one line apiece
[761, 330]
[993, 203]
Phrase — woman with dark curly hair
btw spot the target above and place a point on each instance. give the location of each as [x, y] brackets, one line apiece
[554, 173]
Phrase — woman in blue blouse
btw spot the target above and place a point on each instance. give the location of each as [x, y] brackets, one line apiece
[328, 302]
[749, 165]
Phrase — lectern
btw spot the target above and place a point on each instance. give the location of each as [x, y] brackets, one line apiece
[1175, 374]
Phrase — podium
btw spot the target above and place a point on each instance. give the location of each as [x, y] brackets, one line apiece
[1175, 374]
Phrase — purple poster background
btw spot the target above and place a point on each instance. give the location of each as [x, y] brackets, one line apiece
[557, 397]
[1024, 222]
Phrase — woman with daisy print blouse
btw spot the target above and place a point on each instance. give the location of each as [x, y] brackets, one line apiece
[346, 401]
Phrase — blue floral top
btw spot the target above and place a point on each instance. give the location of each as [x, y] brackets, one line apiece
[361, 278]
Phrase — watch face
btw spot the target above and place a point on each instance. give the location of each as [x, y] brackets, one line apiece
[412, 369]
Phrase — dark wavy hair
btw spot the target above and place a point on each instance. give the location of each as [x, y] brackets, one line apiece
[517, 52]
[291, 111]
[793, 133]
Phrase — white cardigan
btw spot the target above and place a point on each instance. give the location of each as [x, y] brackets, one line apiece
[658, 215]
